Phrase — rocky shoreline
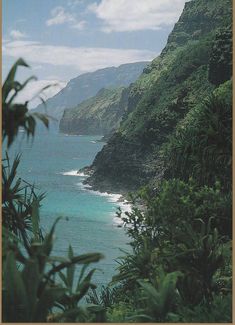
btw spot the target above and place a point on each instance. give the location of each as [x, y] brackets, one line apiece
[102, 186]
[125, 204]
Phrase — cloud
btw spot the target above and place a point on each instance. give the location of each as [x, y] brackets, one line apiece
[60, 16]
[74, 3]
[37, 67]
[17, 34]
[82, 59]
[132, 15]
[79, 25]
[34, 87]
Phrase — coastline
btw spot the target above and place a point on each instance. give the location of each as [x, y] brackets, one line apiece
[119, 199]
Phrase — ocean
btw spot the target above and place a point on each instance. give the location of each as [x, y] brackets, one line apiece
[51, 162]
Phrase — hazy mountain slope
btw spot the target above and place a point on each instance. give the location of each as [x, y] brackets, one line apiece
[88, 84]
[169, 88]
[100, 114]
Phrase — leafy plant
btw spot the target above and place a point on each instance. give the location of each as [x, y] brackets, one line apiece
[20, 202]
[16, 116]
[106, 296]
[219, 311]
[178, 127]
[30, 290]
[121, 312]
[201, 147]
[220, 65]
[157, 298]
[178, 231]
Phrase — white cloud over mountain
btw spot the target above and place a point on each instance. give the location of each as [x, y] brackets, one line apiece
[79, 25]
[82, 59]
[133, 15]
[60, 16]
[17, 34]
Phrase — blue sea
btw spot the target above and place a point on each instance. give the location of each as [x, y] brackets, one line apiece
[51, 161]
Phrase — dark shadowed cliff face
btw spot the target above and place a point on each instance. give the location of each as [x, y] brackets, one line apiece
[169, 88]
[98, 115]
[88, 84]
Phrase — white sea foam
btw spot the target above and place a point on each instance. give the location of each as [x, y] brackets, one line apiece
[87, 186]
[114, 197]
[100, 193]
[117, 221]
[84, 187]
[111, 197]
[74, 173]
[82, 174]
[93, 141]
[124, 205]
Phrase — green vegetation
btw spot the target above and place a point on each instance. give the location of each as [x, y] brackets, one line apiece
[171, 86]
[220, 67]
[175, 143]
[35, 286]
[17, 115]
[180, 267]
[174, 146]
[98, 115]
[201, 145]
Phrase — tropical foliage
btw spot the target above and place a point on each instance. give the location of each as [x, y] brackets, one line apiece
[35, 286]
[16, 115]
[196, 60]
[175, 139]
[179, 268]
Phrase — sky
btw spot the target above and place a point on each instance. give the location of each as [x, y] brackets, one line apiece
[61, 39]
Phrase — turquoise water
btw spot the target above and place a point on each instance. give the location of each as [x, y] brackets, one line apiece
[51, 162]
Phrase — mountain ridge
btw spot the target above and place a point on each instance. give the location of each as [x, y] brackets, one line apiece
[98, 115]
[172, 85]
[87, 85]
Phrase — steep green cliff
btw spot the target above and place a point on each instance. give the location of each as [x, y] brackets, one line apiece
[88, 84]
[100, 114]
[169, 88]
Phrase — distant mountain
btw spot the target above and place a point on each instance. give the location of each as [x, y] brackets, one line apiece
[100, 114]
[88, 84]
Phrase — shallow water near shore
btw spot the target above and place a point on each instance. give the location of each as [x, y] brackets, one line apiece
[51, 162]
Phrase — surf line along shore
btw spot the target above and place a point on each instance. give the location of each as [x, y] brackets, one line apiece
[118, 199]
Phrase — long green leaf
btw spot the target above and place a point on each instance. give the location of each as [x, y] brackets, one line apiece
[15, 302]
[10, 78]
[31, 278]
[83, 287]
[46, 302]
[35, 219]
[70, 269]
[48, 242]
[82, 259]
